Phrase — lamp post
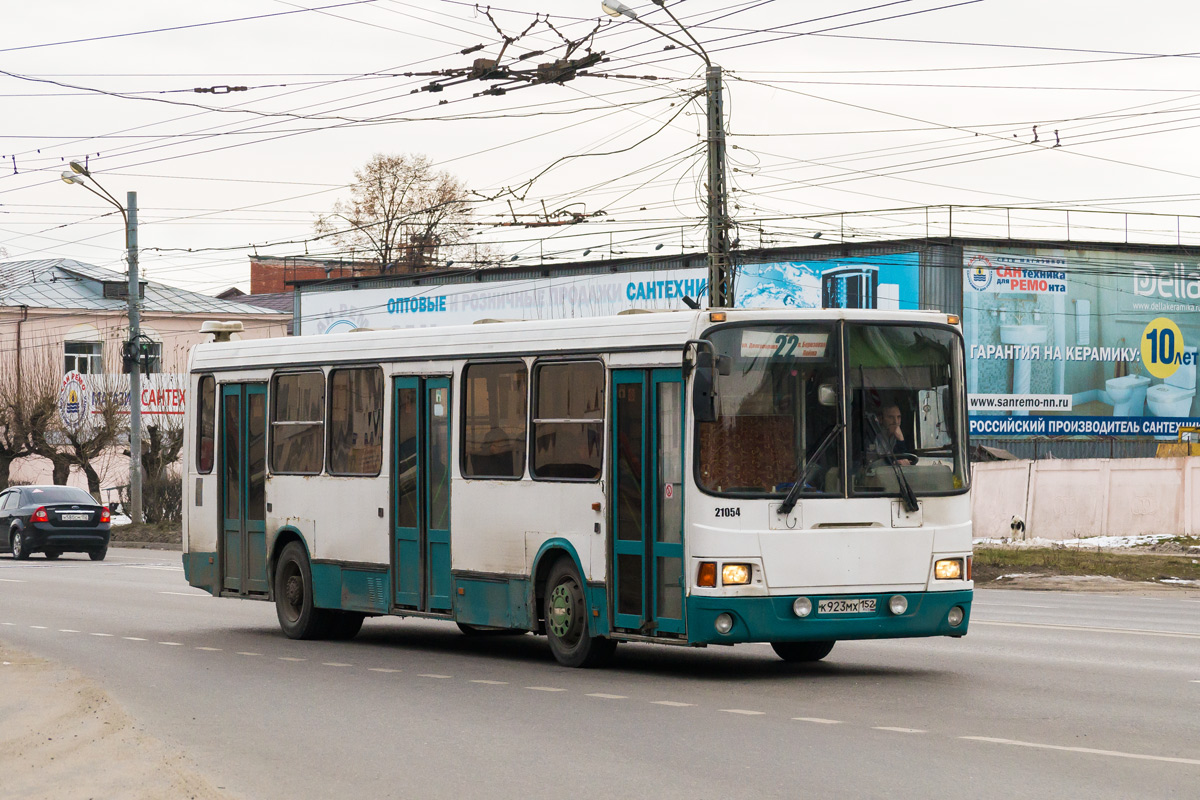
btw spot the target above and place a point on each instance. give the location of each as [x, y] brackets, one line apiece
[129, 352]
[720, 277]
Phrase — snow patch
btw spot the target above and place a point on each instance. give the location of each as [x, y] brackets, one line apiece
[1086, 542]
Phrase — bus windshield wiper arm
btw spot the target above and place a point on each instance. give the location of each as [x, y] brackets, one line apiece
[906, 490]
[789, 502]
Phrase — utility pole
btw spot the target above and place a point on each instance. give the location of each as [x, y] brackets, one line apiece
[133, 347]
[135, 370]
[720, 274]
[720, 283]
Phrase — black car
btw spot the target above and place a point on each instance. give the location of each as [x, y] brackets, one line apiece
[53, 520]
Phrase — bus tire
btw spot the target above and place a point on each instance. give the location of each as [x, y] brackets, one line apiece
[567, 623]
[801, 652]
[345, 625]
[298, 617]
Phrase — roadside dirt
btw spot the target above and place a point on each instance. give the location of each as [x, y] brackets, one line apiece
[62, 738]
[1086, 583]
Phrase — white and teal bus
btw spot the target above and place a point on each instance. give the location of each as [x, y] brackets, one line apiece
[686, 477]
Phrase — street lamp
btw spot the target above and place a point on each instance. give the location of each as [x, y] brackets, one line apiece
[720, 277]
[129, 215]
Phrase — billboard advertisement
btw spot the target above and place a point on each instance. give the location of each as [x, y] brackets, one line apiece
[889, 281]
[1080, 343]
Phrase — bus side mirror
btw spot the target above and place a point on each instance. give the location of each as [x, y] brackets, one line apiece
[704, 390]
[827, 394]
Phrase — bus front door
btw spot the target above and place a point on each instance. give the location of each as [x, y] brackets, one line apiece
[243, 489]
[647, 502]
[421, 494]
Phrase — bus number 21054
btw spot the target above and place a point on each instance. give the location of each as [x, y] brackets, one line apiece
[729, 512]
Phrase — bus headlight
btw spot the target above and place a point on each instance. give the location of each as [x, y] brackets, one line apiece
[955, 617]
[735, 574]
[898, 604]
[723, 623]
[948, 569]
[802, 607]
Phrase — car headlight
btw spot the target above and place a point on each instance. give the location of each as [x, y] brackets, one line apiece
[948, 569]
[735, 574]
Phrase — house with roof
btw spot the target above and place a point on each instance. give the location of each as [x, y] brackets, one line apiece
[59, 316]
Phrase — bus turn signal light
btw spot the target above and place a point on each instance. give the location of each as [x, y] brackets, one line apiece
[948, 569]
[708, 574]
[735, 574]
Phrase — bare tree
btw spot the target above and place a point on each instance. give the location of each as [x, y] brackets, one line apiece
[402, 212]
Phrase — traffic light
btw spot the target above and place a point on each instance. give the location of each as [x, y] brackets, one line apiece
[139, 351]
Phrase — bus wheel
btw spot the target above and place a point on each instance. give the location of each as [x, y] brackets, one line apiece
[567, 624]
[298, 617]
[799, 652]
[345, 625]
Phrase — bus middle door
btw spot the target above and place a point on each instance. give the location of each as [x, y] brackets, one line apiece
[421, 494]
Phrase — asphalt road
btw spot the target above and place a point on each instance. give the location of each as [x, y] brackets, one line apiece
[1051, 695]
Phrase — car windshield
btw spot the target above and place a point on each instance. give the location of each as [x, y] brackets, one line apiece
[905, 413]
[774, 407]
[57, 494]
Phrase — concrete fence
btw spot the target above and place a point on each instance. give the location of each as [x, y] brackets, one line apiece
[1087, 497]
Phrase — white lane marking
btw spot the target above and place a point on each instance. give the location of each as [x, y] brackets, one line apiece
[67, 630]
[243, 653]
[603, 696]
[493, 683]
[38, 627]
[101, 634]
[545, 689]
[1088, 629]
[8, 623]
[335, 664]
[671, 703]
[291, 658]
[133, 638]
[1195, 681]
[11, 580]
[818, 720]
[899, 730]
[172, 644]
[743, 711]
[210, 649]
[1013, 605]
[188, 594]
[433, 675]
[381, 669]
[1088, 750]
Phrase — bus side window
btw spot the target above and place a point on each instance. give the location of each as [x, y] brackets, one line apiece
[568, 421]
[298, 423]
[494, 407]
[206, 421]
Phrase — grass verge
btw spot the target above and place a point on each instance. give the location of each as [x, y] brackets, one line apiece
[161, 533]
[992, 562]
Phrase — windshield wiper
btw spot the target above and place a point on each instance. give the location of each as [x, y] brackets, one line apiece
[789, 502]
[906, 490]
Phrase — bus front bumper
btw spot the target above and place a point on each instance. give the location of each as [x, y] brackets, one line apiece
[772, 619]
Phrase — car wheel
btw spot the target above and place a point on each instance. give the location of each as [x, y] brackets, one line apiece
[566, 621]
[800, 652]
[298, 617]
[17, 545]
[97, 555]
[51, 555]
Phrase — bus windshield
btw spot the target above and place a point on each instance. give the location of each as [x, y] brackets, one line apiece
[772, 415]
[905, 415]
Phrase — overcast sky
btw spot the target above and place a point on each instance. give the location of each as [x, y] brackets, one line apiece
[877, 106]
